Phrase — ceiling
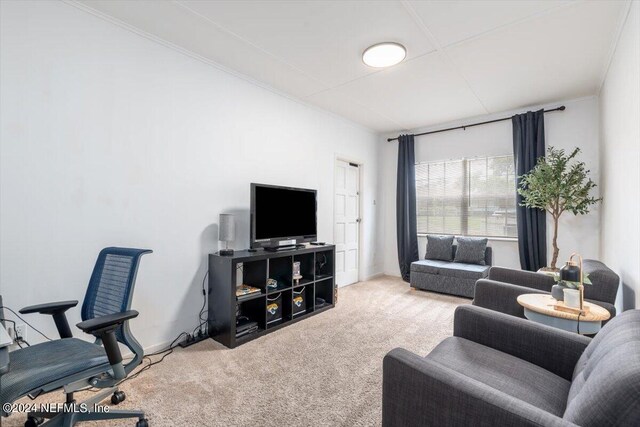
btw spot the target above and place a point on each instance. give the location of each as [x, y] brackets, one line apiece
[464, 58]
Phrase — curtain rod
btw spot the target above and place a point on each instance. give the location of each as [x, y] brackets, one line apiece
[464, 127]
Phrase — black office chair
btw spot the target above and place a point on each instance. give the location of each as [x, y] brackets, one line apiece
[74, 364]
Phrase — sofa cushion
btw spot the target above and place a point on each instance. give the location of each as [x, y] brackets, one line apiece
[430, 266]
[605, 383]
[464, 271]
[439, 247]
[451, 269]
[471, 250]
[501, 371]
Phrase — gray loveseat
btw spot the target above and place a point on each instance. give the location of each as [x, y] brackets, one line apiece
[502, 287]
[499, 370]
[449, 277]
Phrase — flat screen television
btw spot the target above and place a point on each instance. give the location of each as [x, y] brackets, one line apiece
[282, 216]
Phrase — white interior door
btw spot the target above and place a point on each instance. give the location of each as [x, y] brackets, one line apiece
[346, 227]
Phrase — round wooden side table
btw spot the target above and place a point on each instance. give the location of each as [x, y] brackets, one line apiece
[539, 308]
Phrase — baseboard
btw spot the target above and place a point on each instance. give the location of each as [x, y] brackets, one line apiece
[374, 276]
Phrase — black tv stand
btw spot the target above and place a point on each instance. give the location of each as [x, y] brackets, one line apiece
[255, 268]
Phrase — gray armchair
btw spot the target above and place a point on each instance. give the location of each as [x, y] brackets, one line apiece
[500, 290]
[498, 370]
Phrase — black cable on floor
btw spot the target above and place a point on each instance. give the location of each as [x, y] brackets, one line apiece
[167, 352]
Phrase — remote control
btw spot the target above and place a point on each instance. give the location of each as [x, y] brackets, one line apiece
[317, 243]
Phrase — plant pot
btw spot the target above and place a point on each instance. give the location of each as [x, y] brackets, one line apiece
[557, 291]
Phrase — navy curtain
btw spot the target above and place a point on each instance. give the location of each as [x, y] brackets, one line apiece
[528, 146]
[406, 206]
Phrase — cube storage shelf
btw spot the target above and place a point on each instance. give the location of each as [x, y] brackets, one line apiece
[290, 302]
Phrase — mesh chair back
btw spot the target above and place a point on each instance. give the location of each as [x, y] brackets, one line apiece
[111, 286]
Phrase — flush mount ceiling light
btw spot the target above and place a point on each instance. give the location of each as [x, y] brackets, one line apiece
[384, 54]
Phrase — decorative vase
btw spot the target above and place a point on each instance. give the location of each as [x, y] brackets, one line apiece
[557, 291]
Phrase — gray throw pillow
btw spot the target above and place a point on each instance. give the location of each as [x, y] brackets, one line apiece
[471, 250]
[439, 247]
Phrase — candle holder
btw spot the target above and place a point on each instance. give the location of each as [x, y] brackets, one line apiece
[572, 272]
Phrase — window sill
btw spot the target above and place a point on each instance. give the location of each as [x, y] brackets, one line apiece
[494, 239]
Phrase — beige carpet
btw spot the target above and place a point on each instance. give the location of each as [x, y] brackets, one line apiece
[323, 371]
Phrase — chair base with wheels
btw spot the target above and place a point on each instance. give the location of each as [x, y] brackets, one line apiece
[88, 410]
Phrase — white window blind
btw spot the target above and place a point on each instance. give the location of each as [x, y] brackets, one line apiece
[467, 197]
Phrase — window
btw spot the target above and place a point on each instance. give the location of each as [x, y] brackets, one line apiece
[467, 197]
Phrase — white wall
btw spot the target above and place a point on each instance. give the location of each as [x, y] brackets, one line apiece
[620, 160]
[576, 126]
[109, 138]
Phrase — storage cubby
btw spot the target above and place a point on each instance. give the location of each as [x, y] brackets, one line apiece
[307, 268]
[251, 310]
[253, 273]
[325, 290]
[324, 265]
[253, 269]
[281, 269]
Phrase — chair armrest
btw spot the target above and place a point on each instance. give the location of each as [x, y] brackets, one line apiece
[553, 349]
[501, 296]
[98, 325]
[104, 328]
[525, 278]
[56, 310]
[417, 391]
[49, 308]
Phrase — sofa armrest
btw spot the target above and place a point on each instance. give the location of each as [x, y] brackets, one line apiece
[488, 256]
[553, 349]
[417, 391]
[529, 279]
[501, 296]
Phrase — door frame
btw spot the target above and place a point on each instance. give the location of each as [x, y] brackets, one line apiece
[348, 159]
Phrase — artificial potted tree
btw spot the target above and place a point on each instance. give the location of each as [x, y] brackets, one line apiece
[557, 184]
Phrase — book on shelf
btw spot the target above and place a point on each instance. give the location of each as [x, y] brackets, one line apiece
[243, 290]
